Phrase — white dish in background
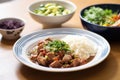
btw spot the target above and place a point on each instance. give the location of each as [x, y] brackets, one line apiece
[24, 44]
[52, 21]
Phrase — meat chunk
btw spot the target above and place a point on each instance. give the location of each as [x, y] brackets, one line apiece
[56, 64]
[48, 39]
[41, 60]
[60, 54]
[89, 59]
[40, 46]
[33, 58]
[42, 52]
[76, 62]
[50, 56]
[67, 58]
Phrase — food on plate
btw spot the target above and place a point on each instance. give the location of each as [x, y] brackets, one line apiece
[63, 53]
[11, 24]
[82, 46]
[51, 9]
[102, 17]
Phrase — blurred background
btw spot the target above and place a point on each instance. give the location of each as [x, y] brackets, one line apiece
[2, 1]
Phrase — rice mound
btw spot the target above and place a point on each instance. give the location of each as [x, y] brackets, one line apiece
[81, 45]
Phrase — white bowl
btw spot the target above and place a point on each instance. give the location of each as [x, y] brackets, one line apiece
[52, 20]
[11, 33]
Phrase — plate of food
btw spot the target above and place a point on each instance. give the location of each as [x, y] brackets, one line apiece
[61, 49]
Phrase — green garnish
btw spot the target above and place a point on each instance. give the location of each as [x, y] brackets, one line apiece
[57, 45]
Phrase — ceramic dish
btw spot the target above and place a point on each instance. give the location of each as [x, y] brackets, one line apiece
[52, 21]
[11, 27]
[109, 32]
[24, 44]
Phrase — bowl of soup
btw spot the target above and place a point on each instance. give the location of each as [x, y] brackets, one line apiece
[103, 19]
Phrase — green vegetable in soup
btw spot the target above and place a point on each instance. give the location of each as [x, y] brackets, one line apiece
[97, 15]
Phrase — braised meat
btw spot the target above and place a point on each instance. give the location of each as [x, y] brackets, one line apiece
[55, 54]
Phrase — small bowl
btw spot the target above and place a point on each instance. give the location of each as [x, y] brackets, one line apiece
[10, 30]
[52, 20]
[110, 33]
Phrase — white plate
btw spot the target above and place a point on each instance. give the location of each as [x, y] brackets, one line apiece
[24, 44]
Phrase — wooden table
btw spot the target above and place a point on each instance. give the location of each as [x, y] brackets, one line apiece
[12, 69]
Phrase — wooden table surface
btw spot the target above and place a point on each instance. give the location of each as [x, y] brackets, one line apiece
[12, 69]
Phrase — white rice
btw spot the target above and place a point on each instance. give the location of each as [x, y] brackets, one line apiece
[81, 45]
